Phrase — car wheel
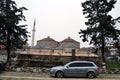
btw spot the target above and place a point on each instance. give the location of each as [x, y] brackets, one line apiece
[59, 74]
[91, 75]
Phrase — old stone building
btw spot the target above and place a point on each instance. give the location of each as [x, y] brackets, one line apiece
[70, 44]
[49, 52]
[48, 44]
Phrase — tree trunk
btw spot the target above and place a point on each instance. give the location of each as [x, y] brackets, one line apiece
[8, 47]
[103, 46]
[8, 62]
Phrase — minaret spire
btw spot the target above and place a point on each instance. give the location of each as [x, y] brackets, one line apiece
[33, 33]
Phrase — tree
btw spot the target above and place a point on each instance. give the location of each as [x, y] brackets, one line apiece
[12, 34]
[101, 26]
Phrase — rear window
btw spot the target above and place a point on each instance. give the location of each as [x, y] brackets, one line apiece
[87, 65]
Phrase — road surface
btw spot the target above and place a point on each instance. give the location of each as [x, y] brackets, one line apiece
[45, 76]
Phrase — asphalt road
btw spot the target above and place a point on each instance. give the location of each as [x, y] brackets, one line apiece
[45, 76]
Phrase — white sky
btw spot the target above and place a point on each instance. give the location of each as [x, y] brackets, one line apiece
[57, 18]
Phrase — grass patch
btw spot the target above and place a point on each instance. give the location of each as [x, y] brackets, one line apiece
[113, 65]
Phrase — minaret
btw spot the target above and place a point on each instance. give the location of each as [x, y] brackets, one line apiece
[33, 33]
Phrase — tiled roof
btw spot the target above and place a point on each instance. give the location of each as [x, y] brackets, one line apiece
[41, 47]
[80, 54]
[59, 48]
[47, 39]
[69, 40]
[70, 45]
[37, 47]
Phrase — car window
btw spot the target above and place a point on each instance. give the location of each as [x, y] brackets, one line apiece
[81, 65]
[74, 65]
[87, 65]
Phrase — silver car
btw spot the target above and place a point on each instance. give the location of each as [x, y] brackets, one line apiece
[76, 69]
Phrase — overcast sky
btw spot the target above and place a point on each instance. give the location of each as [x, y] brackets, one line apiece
[57, 18]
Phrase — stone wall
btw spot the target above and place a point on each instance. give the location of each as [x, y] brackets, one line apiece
[47, 44]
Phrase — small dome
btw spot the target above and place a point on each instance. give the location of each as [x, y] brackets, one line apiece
[48, 39]
[69, 40]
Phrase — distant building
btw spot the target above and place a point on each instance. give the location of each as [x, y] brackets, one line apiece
[66, 46]
[113, 52]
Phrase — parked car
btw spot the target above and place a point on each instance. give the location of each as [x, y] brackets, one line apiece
[76, 69]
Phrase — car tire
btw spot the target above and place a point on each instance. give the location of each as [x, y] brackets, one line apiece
[91, 75]
[59, 74]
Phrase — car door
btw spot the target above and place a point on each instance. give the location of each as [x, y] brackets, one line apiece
[82, 70]
[71, 70]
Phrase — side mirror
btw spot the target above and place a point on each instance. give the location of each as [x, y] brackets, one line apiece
[67, 66]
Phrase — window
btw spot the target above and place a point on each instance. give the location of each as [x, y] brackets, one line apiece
[81, 65]
[74, 65]
[87, 65]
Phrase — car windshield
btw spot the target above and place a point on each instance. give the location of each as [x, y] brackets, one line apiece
[66, 65]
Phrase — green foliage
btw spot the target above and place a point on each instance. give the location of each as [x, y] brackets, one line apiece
[12, 34]
[10, 30]
[112, 65]
[101, 26]
[99, 21]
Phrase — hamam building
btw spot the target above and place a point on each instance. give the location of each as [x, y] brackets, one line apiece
[48, 50]
[65, 48]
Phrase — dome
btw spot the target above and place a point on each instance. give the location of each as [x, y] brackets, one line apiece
[69, 40]
[48, 39]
